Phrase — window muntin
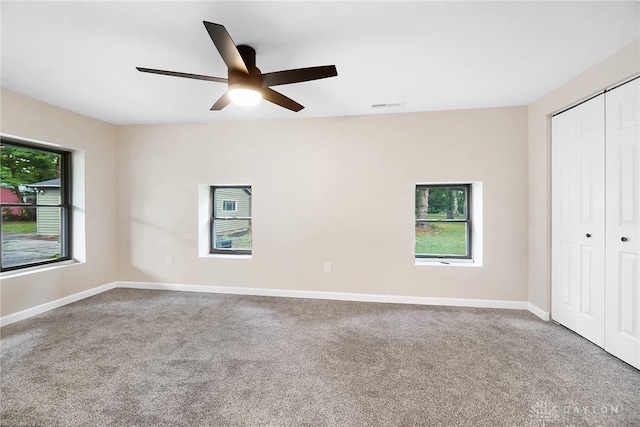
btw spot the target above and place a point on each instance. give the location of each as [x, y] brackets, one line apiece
[443, 221]
[35, 204]
[231, 230]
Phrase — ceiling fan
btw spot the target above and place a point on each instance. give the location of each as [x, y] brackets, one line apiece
[246, 83]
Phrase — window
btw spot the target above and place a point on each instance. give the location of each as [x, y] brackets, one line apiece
[443, 221]
[36, 205]
[231, 220]
[229, 205]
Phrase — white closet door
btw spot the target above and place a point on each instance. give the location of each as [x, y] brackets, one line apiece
[622, 335]
[578, 239]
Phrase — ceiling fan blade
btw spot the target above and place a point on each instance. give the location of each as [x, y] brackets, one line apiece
[225, 45]
[221, 103]
[185, 75]
[299, 75]
[281, 100]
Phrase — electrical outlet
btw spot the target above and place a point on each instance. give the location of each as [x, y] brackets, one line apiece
[327, 267]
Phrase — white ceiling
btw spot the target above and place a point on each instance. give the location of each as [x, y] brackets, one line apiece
[421, 56]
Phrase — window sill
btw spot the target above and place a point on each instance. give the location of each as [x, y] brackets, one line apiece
[38, 269]
[228, 256]
[444, 262]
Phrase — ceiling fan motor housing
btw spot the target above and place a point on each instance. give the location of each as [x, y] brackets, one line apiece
[239, 78]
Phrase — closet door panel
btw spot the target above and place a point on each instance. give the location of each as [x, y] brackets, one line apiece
[578, 219]
[622, 334]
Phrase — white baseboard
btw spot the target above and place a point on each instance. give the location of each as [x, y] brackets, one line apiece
[39, 309]
[544, 315]
[340, 296]
[288, 293]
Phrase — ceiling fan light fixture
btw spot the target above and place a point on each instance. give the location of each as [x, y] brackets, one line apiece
[244, 96]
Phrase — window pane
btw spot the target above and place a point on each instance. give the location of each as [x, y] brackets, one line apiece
[232, 201]
[441, 203]
[32, 175]
[31, 237]
[441, 238]
[232, 234]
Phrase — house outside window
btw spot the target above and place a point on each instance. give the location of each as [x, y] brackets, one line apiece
[36, 205]
[443, 221]
[231, 220]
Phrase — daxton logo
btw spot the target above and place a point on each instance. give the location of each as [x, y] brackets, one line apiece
[544, 411]
[588, 410]
[547, 413]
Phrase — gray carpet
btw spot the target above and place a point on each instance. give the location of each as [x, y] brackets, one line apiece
[155, 358]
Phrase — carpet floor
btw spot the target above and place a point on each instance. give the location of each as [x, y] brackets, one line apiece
[158, 358]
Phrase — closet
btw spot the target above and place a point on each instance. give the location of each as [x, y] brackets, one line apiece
[595, 220]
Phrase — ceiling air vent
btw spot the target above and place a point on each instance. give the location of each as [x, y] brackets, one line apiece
[389, 105]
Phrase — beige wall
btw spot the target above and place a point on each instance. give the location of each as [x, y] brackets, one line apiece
[347, 185]
[347, 182]
[618, 67]
[31, 119]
